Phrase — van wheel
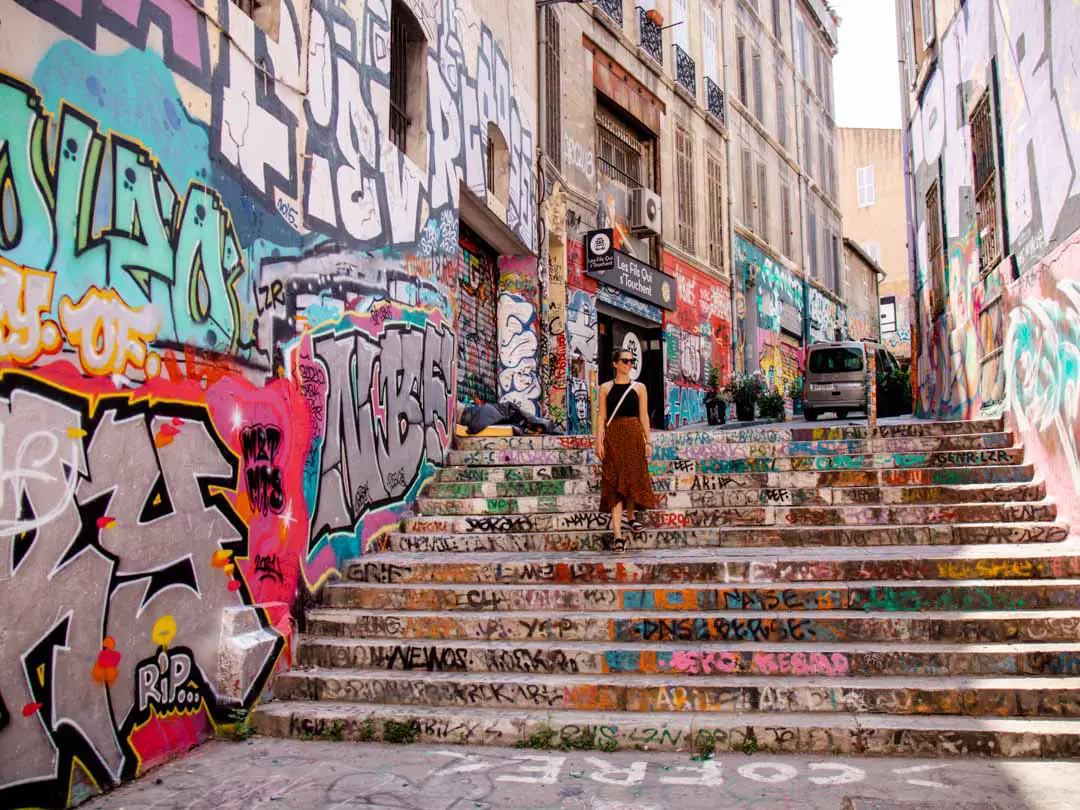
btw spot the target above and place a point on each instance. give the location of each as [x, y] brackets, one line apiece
[841, 414]
[811, 416]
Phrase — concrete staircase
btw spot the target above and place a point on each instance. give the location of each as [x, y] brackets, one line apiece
[899, 590]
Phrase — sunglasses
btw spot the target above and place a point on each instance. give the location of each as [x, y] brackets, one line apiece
[628, 360]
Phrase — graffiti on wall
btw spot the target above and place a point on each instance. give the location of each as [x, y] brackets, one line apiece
[828, 318]
[697, 338]
[581, 343]
[104, 574]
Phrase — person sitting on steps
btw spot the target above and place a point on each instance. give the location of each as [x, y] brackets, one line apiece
[624, 445]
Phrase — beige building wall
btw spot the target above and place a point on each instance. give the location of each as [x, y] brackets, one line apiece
[861, 293]
[876, 218]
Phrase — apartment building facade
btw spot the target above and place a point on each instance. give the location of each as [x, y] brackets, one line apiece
[786, 221]
[871, 182]
[991, 89]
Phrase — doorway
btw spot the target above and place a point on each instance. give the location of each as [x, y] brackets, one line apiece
[646, 343]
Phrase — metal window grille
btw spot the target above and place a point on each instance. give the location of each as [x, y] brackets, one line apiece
[934, 248]
[747, 188]
[984, 154]
[553, 91]
[785, 218]
[620, 154]
[715, 198]
[781, 114]
[400, 36]
[684, 177]
[759, 89]
[740, 52]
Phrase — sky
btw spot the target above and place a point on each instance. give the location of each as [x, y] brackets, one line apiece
[865, 74]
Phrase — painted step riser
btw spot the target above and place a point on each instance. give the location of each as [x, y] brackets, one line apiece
[901, 598]
[1001, 702]
[903, 627]
[774, 464]
[758, 435]
[617, 571]
[741, 452]
[897, 496]
[758, 537]
[678, 447]
[693, 663]
[525, 486]
[743, 516]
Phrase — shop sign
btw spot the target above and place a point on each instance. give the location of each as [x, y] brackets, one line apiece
[613, 267]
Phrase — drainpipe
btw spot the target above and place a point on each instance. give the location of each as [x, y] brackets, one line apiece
[800, 155]
[730, 201]
[909, 203]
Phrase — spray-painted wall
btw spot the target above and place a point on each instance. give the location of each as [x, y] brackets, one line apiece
[228, 309]
[697, 337]
[1005, 340]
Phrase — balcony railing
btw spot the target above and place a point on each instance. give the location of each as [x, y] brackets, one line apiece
[685, 71]
[613, 8]
[650, 36]
[714, 101]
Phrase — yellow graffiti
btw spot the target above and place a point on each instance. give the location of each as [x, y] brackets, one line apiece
[164, 631]
[25, 300]
[110, 335]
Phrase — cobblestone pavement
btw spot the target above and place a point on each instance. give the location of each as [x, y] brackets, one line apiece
[279, 774]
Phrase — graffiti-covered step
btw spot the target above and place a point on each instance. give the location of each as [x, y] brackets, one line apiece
[1043, 561]
[582, 465]
[743, 516]
[754, 435]
[509, 482]
[704, 626]
[735, 452]
[971, 696]
[897, 595]
[789, 536]
[690, 499]
[828, 733]
[837, 660]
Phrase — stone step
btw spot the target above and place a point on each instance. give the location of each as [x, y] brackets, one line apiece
[1001, 696]
[692, 660]
[821, 496]
[742, 516]
[1042, 561]
[923, 595]
[588, 482]
[825, 733]
[703, 626]
[756, 435]
[582, 465]
[938, 445]
[599, 539]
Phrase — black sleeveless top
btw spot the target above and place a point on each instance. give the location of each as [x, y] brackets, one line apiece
[629, 407]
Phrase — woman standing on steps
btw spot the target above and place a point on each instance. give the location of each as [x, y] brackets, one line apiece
[624, 446]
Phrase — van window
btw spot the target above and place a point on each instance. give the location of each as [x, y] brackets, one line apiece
[835, 361]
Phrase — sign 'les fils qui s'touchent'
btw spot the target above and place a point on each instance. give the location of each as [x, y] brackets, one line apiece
[613, 267]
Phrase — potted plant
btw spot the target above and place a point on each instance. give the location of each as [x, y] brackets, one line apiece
[794, 392]
[744, 390]
[715, 404]
[771, 405]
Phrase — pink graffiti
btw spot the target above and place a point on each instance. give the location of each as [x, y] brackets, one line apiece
[695, 662]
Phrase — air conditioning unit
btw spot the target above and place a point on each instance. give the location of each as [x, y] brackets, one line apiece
[645, 212]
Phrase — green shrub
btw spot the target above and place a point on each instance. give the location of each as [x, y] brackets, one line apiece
[893, 392]
[395, 731]
[771, 405]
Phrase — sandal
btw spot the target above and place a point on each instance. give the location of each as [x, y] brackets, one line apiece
[618, 545]
[636, 526]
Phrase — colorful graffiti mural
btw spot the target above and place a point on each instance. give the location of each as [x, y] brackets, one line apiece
[229, 316]
[1000, 337]
[697, 337]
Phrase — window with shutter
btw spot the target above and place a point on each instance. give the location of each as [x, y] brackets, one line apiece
[740, 55]
[781, 113]
[800, 39]
[785, 219]
[777, 24]
[830, 176]
[747, 188]
[681, 33]
[553, 91]
[759, 89]
[763, 202]
[935, 249]
[715, 211]
[822, 176]
[808, 142]
[684, 179]
[710, 45]
[987, 209]
[864, 181]
[811, 236]
[817, 69]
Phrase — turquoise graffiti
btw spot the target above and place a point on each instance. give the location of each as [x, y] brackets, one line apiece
[98, 209]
